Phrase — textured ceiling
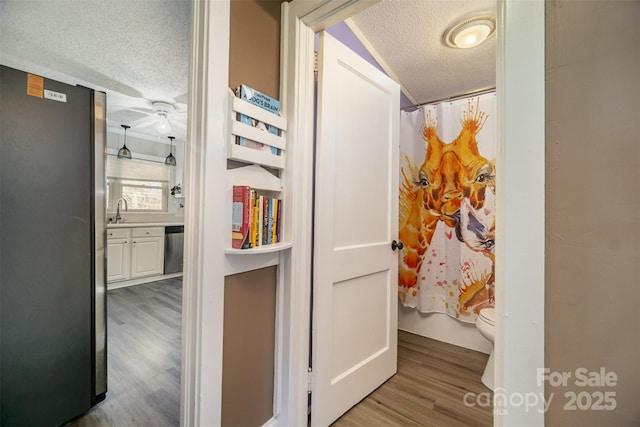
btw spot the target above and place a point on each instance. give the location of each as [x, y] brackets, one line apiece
[135, 50]
[138, 50]
[408, 36]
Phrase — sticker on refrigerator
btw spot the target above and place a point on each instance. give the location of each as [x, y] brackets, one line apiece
[35, 85]
[56, 96]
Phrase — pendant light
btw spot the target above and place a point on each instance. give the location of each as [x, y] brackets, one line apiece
[170, 160]
[124, 152]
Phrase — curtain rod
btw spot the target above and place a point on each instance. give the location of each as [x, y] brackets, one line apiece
[451, 98]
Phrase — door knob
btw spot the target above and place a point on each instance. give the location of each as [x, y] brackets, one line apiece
[396, 245]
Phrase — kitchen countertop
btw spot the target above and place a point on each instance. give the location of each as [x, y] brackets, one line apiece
[145, 224]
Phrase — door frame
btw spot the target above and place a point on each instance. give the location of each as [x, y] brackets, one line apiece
[520, 57]
[300, 20]
[205, 210]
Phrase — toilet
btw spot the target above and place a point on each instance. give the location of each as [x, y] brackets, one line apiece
[486, 324]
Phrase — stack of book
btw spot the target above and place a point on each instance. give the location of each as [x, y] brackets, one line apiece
[256, 218]
[265, 102]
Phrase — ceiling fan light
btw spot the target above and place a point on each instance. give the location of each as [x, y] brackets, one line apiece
[470, 32]
[124, 152]
[163, 127]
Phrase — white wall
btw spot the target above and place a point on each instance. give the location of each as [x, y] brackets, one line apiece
[442, 327]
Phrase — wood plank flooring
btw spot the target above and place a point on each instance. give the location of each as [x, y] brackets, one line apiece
[144, 327]
[143, 347]
[428, 390]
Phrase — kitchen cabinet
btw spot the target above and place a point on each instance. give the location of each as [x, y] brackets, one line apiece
[118, 254]
[134, 253]
[147, 251]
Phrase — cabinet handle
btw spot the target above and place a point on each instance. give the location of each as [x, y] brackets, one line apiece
[125, 241]
[110, 234]
[147, 232]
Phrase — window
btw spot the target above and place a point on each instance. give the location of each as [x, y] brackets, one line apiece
[141, 195]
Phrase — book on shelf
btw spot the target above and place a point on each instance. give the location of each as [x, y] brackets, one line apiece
[266, 238]
[240, 218]
[278, 216]
[265, 102]
[255, 218]
[255, 230]
[273, 218]
[261, 220]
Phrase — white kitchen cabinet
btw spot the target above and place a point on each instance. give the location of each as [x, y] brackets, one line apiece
[147, 251]
[118, 254]
[133, 254]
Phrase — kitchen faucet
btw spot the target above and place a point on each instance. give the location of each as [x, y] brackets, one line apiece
[126, 208]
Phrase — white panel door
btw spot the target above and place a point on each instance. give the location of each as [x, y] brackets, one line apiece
[354, 335]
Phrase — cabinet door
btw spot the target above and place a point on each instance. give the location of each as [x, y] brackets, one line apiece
[147, 256]
[118, 255]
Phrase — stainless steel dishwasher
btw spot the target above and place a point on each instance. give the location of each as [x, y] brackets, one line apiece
[173, 249]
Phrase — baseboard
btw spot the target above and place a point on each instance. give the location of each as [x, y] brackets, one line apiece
[443, 328]
[141, 280]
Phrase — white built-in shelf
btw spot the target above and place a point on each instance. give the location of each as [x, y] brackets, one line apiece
[264, 249]
[258, 178]
[238, 129]
[254, 176]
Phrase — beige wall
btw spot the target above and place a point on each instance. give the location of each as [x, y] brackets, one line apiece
[248, 348]
[254, 58]
[592, 292]
[250, 298]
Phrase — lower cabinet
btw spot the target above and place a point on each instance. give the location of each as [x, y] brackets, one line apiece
[133, 253]
[147, 252]
[118, 254]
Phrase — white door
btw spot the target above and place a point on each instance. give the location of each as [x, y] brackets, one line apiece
[354, 334]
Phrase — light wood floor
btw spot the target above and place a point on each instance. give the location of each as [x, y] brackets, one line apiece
[428, 390]
[143, 347]
[144, 327]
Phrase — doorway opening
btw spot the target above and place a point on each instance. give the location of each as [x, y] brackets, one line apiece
[145, 75]
[302, 20]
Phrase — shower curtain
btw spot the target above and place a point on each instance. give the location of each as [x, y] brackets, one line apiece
[447, 207]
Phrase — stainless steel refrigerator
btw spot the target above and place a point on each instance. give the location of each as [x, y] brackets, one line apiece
[52, 257]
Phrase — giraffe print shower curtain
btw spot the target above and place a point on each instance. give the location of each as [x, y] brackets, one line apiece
[447, 207]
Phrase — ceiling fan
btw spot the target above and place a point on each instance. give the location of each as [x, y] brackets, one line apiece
[163, 117]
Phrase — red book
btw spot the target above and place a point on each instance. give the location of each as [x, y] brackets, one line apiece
[241, 217]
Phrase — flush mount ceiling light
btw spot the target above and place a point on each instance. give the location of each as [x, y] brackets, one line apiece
[471, 32]
[124, 152]
[170, 160]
